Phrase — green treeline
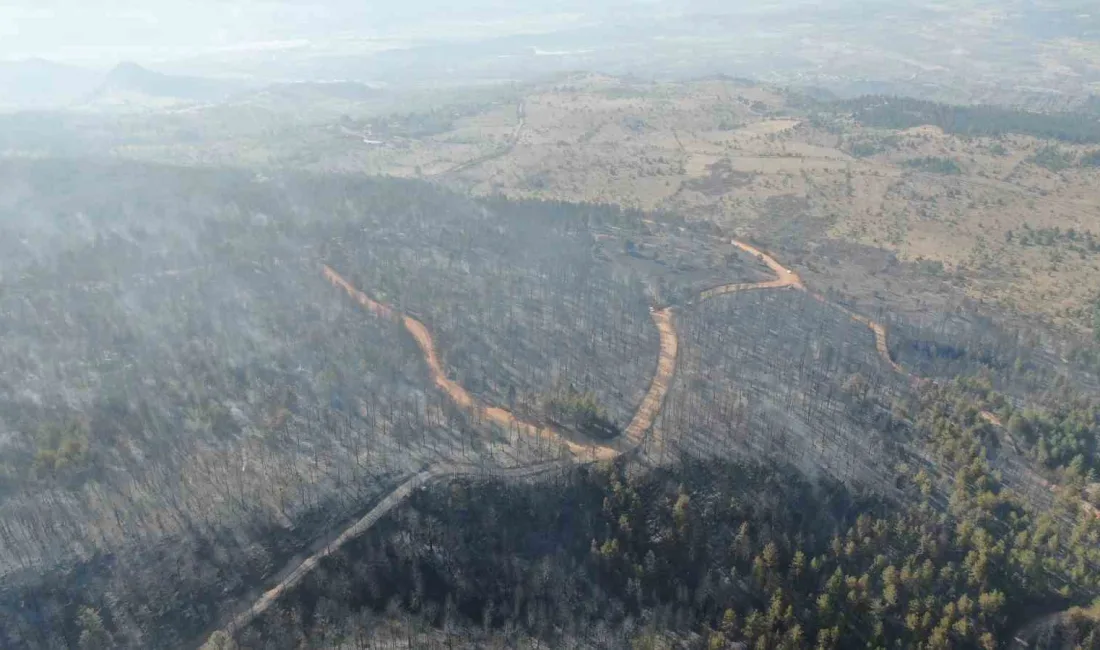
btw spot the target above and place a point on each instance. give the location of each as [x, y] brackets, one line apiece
[904, 113]
[581, 411]
[1062, 433]
[716, 553]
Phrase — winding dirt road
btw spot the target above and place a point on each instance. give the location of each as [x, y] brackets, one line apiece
[584, 450]
[786, 278]
[460, 396]
[879, 330]
[391, 501]
[647, 411]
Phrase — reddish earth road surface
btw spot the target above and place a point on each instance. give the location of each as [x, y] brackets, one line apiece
[584, 450]
[588, 451]
[458, 394]
[785, 278]
[879, 330]
[631, 441]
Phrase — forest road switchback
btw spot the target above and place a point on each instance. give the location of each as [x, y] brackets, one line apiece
[634, 436]
[630, 442]
[788, 279]
[583, 450]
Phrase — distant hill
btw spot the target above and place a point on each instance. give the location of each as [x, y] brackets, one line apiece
[129, 83]
[38, 83]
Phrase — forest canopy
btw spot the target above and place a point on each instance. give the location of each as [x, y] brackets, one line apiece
[891, 112]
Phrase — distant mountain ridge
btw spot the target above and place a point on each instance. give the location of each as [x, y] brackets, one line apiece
[130, 81]
[38, 84]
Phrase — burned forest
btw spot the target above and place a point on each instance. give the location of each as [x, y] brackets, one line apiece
[298, 410]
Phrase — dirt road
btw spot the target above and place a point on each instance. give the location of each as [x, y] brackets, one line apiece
[879, 330]
[391, 501]
[786, 278]
[635, 432]
[650, 407]
[584, 450]
[457, 393]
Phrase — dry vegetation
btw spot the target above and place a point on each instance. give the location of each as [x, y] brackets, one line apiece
[756, 159]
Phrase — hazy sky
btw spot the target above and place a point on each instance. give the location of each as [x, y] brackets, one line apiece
[106, 31]
[110, 30]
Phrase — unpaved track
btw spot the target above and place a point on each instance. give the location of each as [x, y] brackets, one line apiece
[879, 330]
[635, 432]
[584, 450]
[455, 391]
[631, 441]
[786, 278]
[662, 379]
[392, 500]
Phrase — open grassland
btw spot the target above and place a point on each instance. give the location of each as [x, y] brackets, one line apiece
[1002, 218]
